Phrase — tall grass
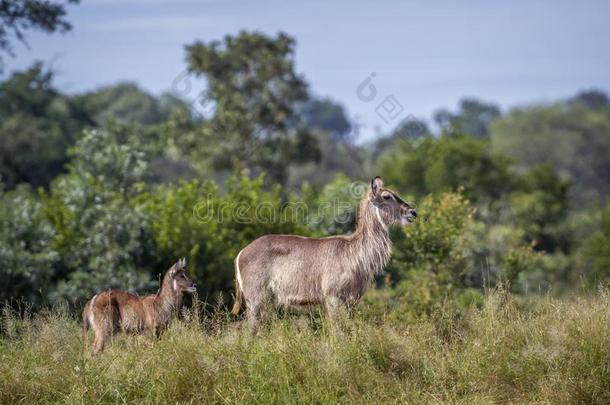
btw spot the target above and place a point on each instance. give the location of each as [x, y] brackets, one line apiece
[549, 351]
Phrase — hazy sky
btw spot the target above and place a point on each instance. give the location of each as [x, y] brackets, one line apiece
[426, 54]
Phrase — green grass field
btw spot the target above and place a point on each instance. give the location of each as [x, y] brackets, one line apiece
[540, 350]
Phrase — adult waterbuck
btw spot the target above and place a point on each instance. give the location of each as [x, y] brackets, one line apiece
[115, 310]
[335, 271]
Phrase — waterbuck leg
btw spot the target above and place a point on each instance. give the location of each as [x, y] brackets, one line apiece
[100, 339]
[256, 313]
[335, 309]
[102, 328]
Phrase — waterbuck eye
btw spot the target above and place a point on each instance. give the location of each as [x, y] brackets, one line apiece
[386, 197]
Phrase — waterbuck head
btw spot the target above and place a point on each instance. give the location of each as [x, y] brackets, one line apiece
[392, 209]
[180, 280]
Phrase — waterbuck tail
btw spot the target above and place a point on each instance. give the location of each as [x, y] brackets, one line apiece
[238, 290]
[85, 324]
[238, 297]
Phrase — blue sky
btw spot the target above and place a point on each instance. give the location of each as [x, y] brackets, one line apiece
[424, 54]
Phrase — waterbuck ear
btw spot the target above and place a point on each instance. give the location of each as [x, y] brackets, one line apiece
[376, 185]
[178, 266]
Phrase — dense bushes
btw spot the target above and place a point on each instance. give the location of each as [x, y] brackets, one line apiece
[37, 126]
[27, 255]
[432, 257]
[596, 251]
[103, 225]
[428, 165]
[106, 224]
[100, 234]
[210, 226]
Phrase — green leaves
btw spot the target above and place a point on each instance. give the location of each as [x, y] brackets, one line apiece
[439, 241]
[106, 157]
[18, 16]
[27, 256]
[252, 90]
[432, 165]
[127, 103]
[210, 226]
[101, 233]
[37, 126]
[571, 137]
[596, 252]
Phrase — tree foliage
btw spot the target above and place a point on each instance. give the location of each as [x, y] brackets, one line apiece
[18, 16]
[27, 255]
[431, 258]
[252, 89]
[37, 126]
[431, 165]
[101, 233]
[538, 204]
[326, 115]
[596, 252]
[128, 104]
[571, 137]
[210, 225]
[473, 117]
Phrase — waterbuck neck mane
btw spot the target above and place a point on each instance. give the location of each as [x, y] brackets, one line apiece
[167, 297]
[369, 247]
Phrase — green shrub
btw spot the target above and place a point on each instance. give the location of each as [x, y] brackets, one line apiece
[210, 226]
[520, 268]
[27, 256]
[445, 164]
[432, 257]
[332, 210]
[596, 252]
[99, 233]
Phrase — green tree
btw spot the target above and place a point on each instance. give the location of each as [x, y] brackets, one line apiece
[409, 129]
[572, 137]
[333, 158]
[326, 115]
[18, 16]
[101, 234]
[332, 209]
[432, 259]
[252, 90]
[473, 118]
[127, 103]
[431, 165]
[27, 256]
[592, 99]
[210, 225]
[597, 253]
[37, 126]
[539, 205]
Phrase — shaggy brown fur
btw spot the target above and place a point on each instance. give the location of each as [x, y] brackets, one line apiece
[114, 310]
[335, 271]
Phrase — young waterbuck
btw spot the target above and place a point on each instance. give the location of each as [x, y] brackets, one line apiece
[335, 271]
[114, 310]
